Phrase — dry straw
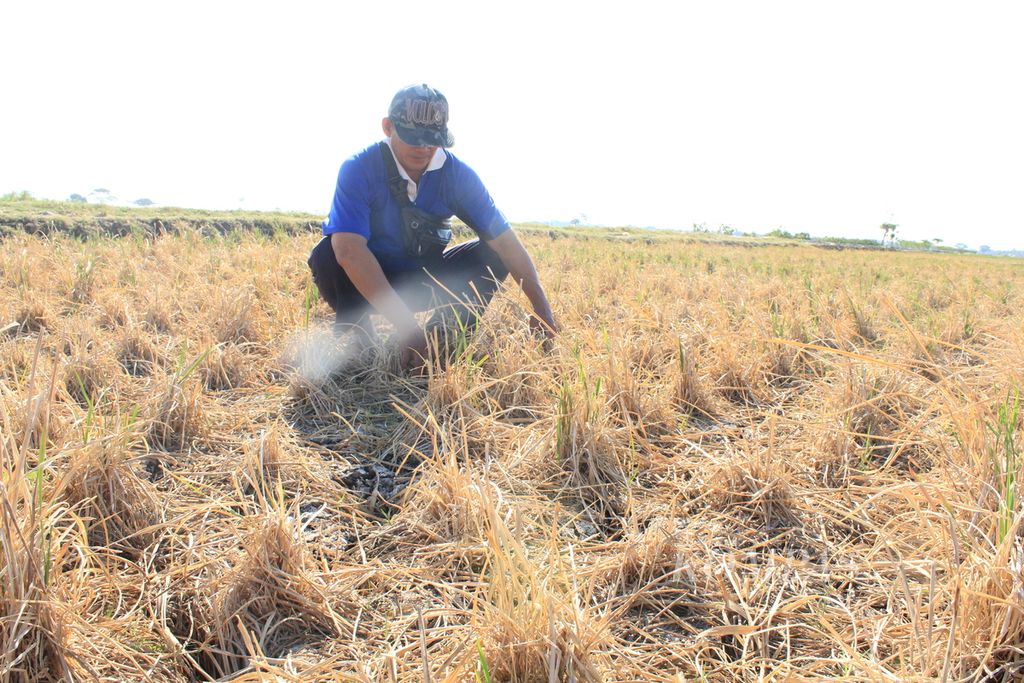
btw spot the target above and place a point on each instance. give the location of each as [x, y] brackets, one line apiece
[733, 464]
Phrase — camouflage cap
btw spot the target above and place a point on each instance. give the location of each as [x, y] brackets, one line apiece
[420, 116]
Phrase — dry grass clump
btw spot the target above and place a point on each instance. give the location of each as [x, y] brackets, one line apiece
[88, 369]
[739, 371]
[112, 310]
[87, 378]
[32, 318]
[876, 405]
[876, 413]
[234, 317]
[450, 504]
[120, 510]
[634, 386]
[176, 413]
[35, 422]
[271, 461]
[991, 606]
[588, 448]
[83, 280]
[644, 560]
[488, 373]
[447, 390]
[267, 600]
[224, 367]
[33, 627]
[865, 328]
[689, 394]
[516, 387]
[982, 600]
[34, 630]
[15, 361]
[531, 629]
[158, 315]
[755, 483]
[138, 354]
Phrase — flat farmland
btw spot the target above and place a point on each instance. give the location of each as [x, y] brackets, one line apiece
[739, 461]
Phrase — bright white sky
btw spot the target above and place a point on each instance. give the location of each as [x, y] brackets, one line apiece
[815, 116]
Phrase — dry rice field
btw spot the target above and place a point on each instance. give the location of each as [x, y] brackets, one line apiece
[735, 464]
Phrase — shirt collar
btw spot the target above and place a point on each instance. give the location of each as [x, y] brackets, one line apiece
[436, 162]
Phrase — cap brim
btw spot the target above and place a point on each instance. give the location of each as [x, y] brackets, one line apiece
[424, 137]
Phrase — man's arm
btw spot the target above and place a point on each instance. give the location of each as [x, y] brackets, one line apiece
[364, 271]
[477, 209]
[515, 257]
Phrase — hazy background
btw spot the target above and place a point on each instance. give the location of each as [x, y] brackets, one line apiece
[811, 116]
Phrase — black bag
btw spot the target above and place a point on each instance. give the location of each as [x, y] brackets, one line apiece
[424, 235]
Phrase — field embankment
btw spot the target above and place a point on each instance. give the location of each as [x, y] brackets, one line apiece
[81, 220]
[733, 464]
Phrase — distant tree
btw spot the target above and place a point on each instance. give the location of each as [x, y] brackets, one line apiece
[786, 234]
[889, 234]
[985, 249]
[580, 219]
[143, 202]
[700, 227]
[22, 196]
[725, 230]
[77, 198]
[101, 195]
[961, 246]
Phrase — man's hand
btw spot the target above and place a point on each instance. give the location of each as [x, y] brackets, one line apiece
[414, 350]
[546, 327]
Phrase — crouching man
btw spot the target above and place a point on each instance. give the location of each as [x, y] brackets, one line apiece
[385, 240]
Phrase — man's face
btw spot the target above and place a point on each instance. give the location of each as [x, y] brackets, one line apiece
[413, 159]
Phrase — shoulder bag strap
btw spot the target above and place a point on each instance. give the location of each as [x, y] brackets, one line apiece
[396, 183]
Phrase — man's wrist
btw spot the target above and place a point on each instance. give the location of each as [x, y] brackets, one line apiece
[542, 308]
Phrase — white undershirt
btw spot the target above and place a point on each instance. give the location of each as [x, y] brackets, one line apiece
[436, 162]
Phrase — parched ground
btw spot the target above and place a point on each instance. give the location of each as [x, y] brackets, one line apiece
[733, 464]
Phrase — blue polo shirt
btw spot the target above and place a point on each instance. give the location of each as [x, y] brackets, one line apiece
[363, 204]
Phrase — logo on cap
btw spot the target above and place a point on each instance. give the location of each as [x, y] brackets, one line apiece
[425, 113]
